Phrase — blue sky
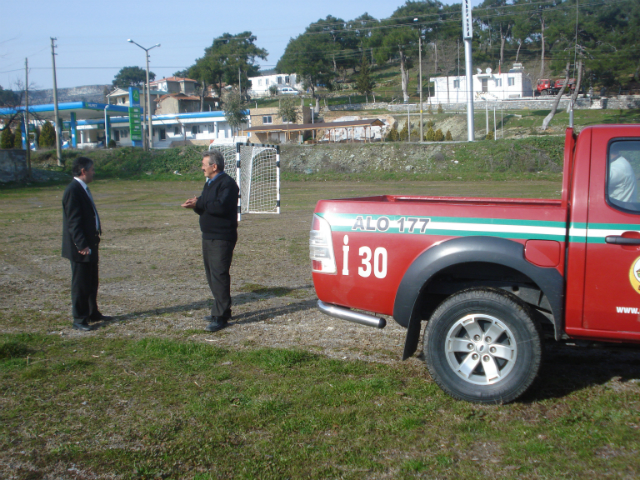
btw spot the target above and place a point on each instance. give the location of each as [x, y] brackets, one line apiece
[92, 36]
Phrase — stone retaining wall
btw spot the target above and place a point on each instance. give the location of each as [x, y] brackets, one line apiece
[13, 166]
[540, 103]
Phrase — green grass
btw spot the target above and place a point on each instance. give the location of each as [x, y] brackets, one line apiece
[160, 408]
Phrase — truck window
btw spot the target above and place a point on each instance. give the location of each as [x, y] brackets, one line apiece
[623, 171]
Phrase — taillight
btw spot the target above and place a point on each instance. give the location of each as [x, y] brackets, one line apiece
[321, 246]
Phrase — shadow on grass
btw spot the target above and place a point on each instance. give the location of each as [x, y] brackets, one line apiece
[243, 298]
[567, 369]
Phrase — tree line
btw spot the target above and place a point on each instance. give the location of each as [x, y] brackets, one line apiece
[542, 34]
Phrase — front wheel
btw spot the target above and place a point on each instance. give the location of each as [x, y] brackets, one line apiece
[482, 346]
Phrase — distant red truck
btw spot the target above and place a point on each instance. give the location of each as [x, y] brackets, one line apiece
[547, 86]
[493, 276]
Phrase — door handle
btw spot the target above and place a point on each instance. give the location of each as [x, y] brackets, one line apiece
[620, 240]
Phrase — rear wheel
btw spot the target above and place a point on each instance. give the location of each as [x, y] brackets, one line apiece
[483, 346]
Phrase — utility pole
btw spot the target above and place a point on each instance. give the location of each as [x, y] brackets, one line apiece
[55, 103]
[420, 63]
[467, 35]
[26, 114]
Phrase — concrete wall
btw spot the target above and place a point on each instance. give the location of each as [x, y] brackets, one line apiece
[13, 166]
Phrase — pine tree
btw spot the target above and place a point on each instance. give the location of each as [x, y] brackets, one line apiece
[364, 82]
[6, 139]
[393, 135]
[47, 135]
[440, 110]
[430, 110]
[17, 138]
[430, 136]
[439, 136]
[404, 133]
[448, 137]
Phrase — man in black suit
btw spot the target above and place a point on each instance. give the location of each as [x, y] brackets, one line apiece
[217, 207]
[80, 238]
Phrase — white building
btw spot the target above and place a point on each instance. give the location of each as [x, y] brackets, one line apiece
[486, 86]
[202, 128]
[260, 85]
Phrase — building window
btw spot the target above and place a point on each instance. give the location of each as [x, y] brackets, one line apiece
[511, 81]
[162, 134]
[260, 82]
[195, 129]
[286, 79]
[116, 135]
[267, 119]
[176, 131]
[279, 80]
[498, 82]
[456, 84]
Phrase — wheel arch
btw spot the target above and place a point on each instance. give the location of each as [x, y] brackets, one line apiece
[470, 250]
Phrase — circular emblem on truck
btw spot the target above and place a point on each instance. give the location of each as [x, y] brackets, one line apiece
[634, 275]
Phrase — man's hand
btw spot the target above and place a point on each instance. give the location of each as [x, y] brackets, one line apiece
[85, 251]
[190, 203]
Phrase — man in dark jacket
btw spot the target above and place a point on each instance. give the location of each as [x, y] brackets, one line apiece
[81, 231]
[217, 207]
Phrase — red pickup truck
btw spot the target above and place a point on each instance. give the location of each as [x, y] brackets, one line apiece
[493, 277]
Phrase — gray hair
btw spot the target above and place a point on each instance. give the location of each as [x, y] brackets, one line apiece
[215, 157]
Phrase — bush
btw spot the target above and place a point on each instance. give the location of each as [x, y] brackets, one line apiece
[440, 109]
[431, 124]
[439, 136]
[448, 137]
[6, 139]
[489, 136]
[47, 135]
[430, 110]
[112, 143]
[430, 135]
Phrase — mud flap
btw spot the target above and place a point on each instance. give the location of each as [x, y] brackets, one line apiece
[413, 336]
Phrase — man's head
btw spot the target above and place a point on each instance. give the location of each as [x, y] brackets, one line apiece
[616, 150]
[212, 163]
[83, 169]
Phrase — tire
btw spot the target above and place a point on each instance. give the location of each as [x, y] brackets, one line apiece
[545, 92]
[483, 346]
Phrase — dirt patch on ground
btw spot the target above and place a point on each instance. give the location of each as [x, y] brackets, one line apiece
[152, 278]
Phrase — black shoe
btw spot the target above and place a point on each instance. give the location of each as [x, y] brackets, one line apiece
[218, 323]
[101, 318]
[81, 326]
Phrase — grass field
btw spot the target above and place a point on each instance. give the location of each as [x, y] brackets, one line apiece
[283, 392]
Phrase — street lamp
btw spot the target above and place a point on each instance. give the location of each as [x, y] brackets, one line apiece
[150, 131]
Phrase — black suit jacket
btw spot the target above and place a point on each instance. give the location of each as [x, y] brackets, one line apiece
[78, 224]
[218, 209]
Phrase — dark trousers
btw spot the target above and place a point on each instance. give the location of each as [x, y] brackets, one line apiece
[217, 256]
[84, 288]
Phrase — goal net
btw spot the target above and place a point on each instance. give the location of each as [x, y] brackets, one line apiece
[256, 170]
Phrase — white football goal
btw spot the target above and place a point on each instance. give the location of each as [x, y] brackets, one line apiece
[256, 170]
